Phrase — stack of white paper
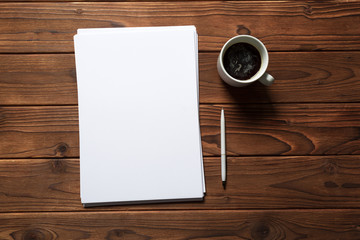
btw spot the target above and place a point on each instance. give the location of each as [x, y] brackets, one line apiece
[139, 115]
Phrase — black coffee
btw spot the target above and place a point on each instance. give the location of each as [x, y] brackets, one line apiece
[242, 61]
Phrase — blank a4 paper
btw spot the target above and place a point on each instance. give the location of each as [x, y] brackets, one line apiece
[138, 115]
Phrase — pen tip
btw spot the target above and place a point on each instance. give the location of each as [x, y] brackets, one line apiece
[224, 184]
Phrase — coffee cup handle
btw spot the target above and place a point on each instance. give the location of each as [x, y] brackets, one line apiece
[266, 79]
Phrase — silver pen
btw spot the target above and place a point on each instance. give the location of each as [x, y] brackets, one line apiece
[223, 148]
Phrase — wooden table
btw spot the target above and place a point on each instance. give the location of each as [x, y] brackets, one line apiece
[294, 147]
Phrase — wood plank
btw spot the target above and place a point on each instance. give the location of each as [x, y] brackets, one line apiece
[291, 224]
[50, 79]
[42, 79]
[282, 129]
[39, 131]
[252, 129]
[300, 77]
[253, 182]
[285, 25]
[40, 185]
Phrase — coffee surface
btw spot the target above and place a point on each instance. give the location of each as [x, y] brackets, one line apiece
[242, 61]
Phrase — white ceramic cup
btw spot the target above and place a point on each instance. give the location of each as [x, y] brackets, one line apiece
[261, 75]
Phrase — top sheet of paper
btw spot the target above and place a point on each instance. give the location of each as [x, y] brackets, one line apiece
[139, 123]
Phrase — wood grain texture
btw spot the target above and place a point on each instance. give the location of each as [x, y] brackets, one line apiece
[39, 131]
[253, 182]
[291, 224]
[299, 77]
[282, 129]
[293, 147]
[252, 129]
[285, 26]
[42, 79]
[50, 79]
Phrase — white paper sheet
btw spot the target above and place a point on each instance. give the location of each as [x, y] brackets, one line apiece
[138, 111]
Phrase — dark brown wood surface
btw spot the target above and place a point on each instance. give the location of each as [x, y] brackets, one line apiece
[253, 182]
[235, 224]
[252, 129]
[282, 26]
[50, 79]
[294, 147]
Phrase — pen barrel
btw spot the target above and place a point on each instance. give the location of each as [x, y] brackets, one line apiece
[223, 167]
[223, 148]
[222, 133]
